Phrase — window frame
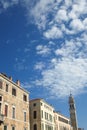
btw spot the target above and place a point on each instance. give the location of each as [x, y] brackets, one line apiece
[7, 85]
[35, 114]
[6, 127]
[13, 127]
[13, 112]
[25, 97]
[14, 91]
[35, 127]
[1, 84]
[25, 116]
[6, 110]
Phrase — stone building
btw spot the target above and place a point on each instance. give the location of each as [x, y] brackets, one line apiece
[62, 122]
[14, 105]
[43, 117]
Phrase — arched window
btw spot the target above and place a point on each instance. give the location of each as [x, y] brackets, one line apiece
[35, 127]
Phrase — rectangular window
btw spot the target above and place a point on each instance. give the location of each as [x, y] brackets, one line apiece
[6, 110]
[50, 117]
[34, 104]
[14, 91]
[0, 98]
[5, 127]
[35, 114]
[25, 116]
[13, 112]
[24, 97]
[0, 84]
[13, 128]
[6, 87]
[42, 113]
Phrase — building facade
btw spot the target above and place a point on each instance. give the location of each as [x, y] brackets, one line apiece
[14, 105]
[43, 117]
[62, 122]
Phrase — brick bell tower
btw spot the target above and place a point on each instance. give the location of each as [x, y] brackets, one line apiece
[72, 109]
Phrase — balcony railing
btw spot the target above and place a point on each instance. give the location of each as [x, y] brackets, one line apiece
[1, 118]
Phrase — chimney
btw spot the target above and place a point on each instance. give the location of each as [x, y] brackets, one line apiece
[18, 82]
[10, 78]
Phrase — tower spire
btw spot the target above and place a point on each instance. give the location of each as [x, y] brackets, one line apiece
[72, 109]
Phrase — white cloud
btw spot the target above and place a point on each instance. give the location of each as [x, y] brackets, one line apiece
[39, 66]
[53, 33]
[65, 76]
[61, 16]
[43, 50]
[77, 25]
[40, 11]
[67, 71]
[7, 4]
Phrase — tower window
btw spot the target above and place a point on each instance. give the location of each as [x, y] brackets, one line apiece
[34, 104]
[72, 106]
[35, 127]
[35, 114]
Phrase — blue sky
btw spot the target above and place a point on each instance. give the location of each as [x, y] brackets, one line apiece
[43, 43]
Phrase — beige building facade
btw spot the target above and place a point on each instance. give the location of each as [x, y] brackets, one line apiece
[43, 117]
[14, 105]
[62, 122]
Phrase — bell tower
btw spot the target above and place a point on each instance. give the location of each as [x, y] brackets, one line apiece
[72, 109]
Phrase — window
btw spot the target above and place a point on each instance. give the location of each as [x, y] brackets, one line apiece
[0, 107]
[25, 128]
[34, 104]
[0, 98]
[6, 87]
[14, 91]
[6, 110]
[24, 97]
[35, 114]
[35, 127]
[13, 112]
[0, 103]
[42, 126]
[41, 104]
[13, 127]
[0, 84]
[63, 120]
[42, 113]
[5, 127]
[25, 116]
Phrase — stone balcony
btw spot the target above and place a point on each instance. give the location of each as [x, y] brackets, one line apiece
[1, 118]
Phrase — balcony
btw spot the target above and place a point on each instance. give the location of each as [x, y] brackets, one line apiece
[1, 118]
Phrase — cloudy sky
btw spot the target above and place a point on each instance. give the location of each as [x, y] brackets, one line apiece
[43, 43]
